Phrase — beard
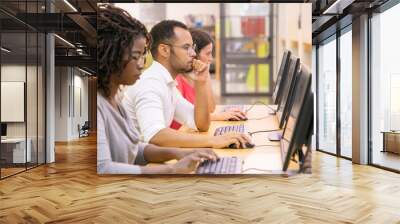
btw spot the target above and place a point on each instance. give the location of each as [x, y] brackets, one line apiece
[190, 70]
[179, 67]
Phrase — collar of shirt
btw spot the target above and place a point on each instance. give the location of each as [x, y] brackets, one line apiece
[164, 73]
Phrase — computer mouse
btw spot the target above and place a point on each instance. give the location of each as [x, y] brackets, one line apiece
[232, 146]
[248, 145]
[232, 119]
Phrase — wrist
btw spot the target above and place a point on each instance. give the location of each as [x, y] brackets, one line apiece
[180, 153]
[200, 83]
[170, 169]
[210, 142]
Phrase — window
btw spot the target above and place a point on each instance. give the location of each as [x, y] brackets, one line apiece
[327, 96]
[346, 93]
[385, 86]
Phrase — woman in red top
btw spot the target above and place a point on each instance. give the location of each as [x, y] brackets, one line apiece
[185, 83]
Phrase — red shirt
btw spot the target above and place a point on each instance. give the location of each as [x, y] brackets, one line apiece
[187, 92]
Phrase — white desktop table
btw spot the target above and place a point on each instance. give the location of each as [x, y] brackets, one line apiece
[17, 146]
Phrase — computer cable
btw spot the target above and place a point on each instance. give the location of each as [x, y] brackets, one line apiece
[257, 146]
[258, 118]
[262, 131]
[264, 170]
[270, 107]
[255, 103]
[257, 169]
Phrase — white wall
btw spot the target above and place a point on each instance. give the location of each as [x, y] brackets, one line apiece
[178, 11]
[147, 13]
[151, 13]
[70, 84]
[295, 30]
[33, 127]
[80, 95]
[12, 73]
[61, 103]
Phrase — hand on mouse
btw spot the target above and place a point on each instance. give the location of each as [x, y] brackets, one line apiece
[223, 141]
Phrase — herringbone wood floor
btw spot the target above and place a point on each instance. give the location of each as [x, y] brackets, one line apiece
[70, 191]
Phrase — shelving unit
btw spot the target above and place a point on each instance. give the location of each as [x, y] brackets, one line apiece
[246, 51]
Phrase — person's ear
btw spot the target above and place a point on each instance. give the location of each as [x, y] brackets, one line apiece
[164, 50]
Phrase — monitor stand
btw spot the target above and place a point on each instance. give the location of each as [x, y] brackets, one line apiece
[275, 136]
[305, 159]
[272, 109]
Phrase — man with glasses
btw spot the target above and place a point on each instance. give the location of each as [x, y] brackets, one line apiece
[154, 102]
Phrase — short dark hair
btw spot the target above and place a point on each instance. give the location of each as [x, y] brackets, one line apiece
[116, 32]
[163, 32]
[201, 39]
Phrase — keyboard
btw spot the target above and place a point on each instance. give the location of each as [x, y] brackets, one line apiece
[232, 128]
[224, 165]
[228, 107]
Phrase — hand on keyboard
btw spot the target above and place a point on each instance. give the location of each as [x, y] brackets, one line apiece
[227, 139]
[224, 165]
[190, 162]
[182, 153]
[230, 115]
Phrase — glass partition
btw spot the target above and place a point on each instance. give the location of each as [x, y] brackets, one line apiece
[22, 88]
[327, 96]
[385, 89]
[14, 154]
[346, 93]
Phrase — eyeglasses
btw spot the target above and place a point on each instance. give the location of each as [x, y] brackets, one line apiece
[186, 47]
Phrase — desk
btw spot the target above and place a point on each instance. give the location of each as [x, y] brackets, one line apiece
[265, 157]
[391, 141]
[13, 150]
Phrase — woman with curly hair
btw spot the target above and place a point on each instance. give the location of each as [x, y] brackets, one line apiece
[121, 50]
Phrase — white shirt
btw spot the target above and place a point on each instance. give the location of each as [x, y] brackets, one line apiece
[153, 102]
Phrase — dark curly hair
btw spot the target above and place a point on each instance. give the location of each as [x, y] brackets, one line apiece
[116, 32]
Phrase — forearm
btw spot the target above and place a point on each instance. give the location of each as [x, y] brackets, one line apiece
[160, 169]
[201, 112]
[215, 116]
[210, 95]
[157, 154]
[171, 138]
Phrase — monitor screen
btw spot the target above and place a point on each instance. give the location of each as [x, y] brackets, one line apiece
[3, 129]
[299, 117]
[288, 86]
[276, 94]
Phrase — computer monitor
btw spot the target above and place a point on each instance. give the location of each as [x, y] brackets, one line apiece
[277, 93]
[287, 92]
[299, 122]
[3, 130]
